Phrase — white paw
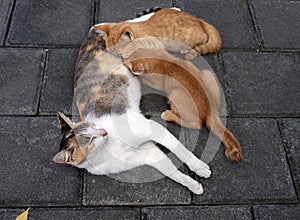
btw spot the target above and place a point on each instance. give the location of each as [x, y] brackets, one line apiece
[197, 189]
[200, 168]
[203, 172]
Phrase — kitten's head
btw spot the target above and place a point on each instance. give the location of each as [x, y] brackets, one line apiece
[140, 63]
[79, 139]
[117, 35]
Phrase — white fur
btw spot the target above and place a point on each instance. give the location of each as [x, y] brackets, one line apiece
[140, 19]
[130, 144]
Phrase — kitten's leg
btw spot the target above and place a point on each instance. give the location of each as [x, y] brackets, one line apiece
[173, 115]
[158, 160]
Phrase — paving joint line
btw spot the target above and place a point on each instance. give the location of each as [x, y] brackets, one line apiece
[285, 145]
[255, 26]
[42, 82]
[10, 16]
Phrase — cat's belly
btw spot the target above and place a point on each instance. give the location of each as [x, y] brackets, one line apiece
[134, 94]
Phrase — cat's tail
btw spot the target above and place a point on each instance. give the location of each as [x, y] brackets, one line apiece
[233, 148]
[214, 42]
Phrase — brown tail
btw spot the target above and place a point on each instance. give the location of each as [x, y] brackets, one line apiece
[214, 43]
[233, 148]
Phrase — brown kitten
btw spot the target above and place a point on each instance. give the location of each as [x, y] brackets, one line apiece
[192, 103]
[169, 24]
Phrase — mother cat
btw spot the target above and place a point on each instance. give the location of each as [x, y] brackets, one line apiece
[113, 135]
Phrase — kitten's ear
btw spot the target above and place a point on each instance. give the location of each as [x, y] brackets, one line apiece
[65, 123]
[127, 35]
[103, 28]
[61, 157]
[138, 69]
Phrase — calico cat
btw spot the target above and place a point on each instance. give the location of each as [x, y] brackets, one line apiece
[169, 24]
[193, 102]
[113, 135]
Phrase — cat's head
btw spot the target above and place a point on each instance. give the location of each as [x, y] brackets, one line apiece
[117, 35]
[79, 139]
[139, 62]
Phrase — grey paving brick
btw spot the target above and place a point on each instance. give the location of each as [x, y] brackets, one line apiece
[277, 212]
[263, 175]
[103, 190]
[231, 18]
[291, 131]
[278, 29]
[28, 175]
[133, 187]
[83, 214]
[57, 94]
[202, 212]
[5, 10]
[153, 102]
[20, 80]
[8, 214]
[50, 22]
[262, 83]
[120, 10]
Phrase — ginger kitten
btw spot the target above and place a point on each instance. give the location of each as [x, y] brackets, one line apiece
[168, 24]
[192, 103]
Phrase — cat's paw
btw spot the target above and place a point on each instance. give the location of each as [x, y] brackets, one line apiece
[234, 154]
[200, 168]
[191, 55]
[184, 50]
[167, 115]
[196, 188]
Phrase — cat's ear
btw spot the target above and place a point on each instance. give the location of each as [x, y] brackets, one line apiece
[127, 35]
[61, 157]
[138, 69]
[65, 123]
[103, 28]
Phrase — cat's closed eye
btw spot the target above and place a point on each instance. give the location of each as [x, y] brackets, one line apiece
[85, 141]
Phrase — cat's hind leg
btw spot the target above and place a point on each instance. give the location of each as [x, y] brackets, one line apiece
[165, 138]
[158, 160]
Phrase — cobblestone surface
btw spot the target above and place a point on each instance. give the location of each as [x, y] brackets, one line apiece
[258, 70]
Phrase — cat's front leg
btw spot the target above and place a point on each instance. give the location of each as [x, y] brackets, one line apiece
[158, 160]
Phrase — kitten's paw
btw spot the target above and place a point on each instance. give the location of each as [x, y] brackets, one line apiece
[167, 115]
[184, 50]
[191, 55]
[234, 154]
[197, 188]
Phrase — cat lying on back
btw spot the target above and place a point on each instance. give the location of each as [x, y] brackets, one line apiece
[113, 136]
[192, 103]
[166, 23]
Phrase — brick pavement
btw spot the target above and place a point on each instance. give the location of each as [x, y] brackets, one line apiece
[258, 68]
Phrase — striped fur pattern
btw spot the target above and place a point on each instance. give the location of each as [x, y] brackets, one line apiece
[171, 24]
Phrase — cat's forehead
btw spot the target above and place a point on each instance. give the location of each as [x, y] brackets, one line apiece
[82, 127]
